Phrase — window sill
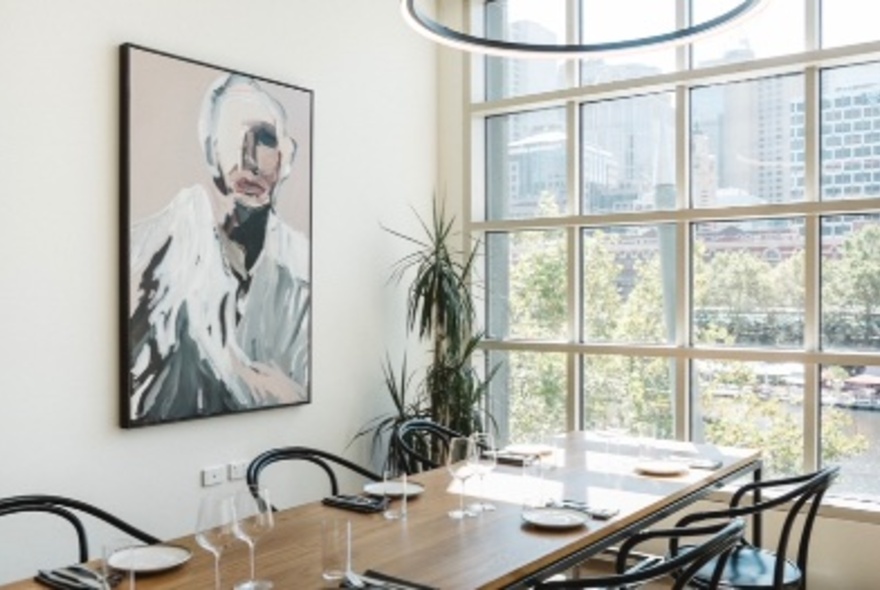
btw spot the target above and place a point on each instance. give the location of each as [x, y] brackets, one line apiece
[857, 510]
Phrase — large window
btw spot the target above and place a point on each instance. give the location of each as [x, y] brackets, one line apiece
[686, 239]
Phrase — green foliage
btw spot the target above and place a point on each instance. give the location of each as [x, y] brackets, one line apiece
[407, 405]
[439, 303]
[636, 391]
[851, 289]
[440, 309]
[457, 390]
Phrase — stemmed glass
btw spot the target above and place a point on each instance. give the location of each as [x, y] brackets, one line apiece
[214, 528]
[119, 556]
[483, 460]
[460, 466]
[253, 518]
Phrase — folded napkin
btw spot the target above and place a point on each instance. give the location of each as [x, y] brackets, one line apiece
[356, 503]
[506, 458]
[66, 579]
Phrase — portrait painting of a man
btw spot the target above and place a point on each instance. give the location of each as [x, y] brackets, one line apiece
[216, 213]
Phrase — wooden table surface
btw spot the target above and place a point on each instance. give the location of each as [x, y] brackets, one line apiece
[493, 550]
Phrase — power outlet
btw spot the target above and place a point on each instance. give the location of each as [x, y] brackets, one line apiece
[213, 475]
[238, 469]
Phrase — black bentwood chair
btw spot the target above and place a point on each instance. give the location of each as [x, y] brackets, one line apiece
[71, 510]
[419, 445]
[754, 568]
[323, 459]
[678, 566]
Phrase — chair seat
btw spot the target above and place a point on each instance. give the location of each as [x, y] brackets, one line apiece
[749, 568]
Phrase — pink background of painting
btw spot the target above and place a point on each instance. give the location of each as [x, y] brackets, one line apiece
[165, 156]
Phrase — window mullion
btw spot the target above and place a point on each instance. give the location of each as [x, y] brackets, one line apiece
[682, 403]
[812, 260]
[574, 404]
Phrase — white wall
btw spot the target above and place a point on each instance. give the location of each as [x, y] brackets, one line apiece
[374, 156]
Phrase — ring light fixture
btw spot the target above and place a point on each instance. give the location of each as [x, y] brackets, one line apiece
[431, 28]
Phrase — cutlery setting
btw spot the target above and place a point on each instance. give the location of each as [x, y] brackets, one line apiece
[591, 511]
[370, 580]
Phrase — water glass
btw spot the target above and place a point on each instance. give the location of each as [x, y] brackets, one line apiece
[335, 548]
[459, 463]
[483, 460]
[394, 488]
[647, 435]
[533, 483]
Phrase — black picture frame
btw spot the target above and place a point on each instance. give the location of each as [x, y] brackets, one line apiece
[215, 240]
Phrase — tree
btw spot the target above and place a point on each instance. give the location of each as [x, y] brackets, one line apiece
[638, 389]
[851, 287]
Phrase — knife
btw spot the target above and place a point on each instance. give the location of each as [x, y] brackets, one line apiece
[377, 583]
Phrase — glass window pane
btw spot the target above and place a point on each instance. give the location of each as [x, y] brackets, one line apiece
[526, 165]
[748, 285]
[628, 393]
[851, 430]
[851, 282]
[527, 395]
[526, 285]
[747, 142]
[850, 132]
[628, 154]
[629, 284]
[776, 29]
[757, 405]
[603, 22]
[531, 22]
[844, 23]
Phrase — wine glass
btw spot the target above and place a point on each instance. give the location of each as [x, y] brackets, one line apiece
[253, 518]
[458, 462]
[119, 556]
[214, 527]
[483, 460]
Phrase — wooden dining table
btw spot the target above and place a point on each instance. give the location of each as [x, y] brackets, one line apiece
[493, 550]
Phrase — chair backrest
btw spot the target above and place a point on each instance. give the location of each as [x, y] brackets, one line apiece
[322, 459]
[803, 494]
[419, 445]
[69, 509]
[717, 542]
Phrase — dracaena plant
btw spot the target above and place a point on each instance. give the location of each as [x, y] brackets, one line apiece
[440, 310]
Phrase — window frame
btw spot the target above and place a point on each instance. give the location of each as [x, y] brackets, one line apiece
[809, 64]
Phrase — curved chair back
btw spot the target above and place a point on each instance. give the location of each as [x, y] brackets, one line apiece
[718, 541]
[68, 509]
[803, 494]
[419, 444]
[322, 459]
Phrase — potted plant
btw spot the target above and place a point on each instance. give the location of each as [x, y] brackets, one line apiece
[440, 310]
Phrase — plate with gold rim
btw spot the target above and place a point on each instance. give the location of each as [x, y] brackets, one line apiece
[394, 489]
[662, 468]
[555, 518]
[149, 558]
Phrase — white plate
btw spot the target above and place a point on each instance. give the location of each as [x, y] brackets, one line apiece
[662, 468]
[529, 450]
[555, 518]
[394, 489]
[149, 558]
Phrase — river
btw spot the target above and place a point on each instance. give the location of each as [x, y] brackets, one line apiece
[860, 475]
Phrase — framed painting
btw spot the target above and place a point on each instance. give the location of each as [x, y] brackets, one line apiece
[216, 182]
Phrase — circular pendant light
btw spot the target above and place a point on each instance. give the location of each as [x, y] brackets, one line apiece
[436, 31]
